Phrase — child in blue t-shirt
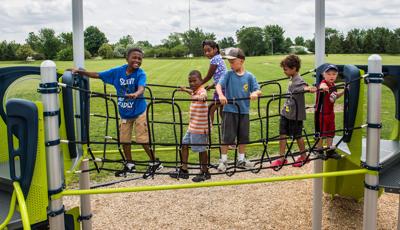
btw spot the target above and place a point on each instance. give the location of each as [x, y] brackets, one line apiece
[216, 70]
[130, 80]
[238, 83]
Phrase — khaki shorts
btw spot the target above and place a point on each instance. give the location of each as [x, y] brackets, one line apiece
[141, 130]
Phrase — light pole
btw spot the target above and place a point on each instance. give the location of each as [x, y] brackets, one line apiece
[189, 17]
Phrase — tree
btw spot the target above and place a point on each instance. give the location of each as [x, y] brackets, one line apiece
[335, 45]
[382, 36]
[65, 40]
[106, 51]
[299, 41]
[160, 51]
[287, 44]
[50, 43]
[353, 42]
[144, 44]
[33, 41]
[227, 42]
[310, 44]
[8, 50]
[194, 38]
[94, 38]
[333, 41]
[173, 40]
[251, 41]
[24, 51]
[179, 51]
[392, 44]
[274, 35]
[126, 40]
[65, 54]
[119, 51]
[45, 42]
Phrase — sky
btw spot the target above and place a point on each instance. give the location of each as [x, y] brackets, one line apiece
[154, 20]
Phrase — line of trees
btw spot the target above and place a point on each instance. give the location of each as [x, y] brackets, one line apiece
[269, 39]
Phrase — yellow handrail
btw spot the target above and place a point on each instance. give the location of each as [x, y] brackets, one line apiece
[10, 212]
[211, 184]
[22, 206]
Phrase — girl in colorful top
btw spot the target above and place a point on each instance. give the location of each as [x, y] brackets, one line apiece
[216, 70]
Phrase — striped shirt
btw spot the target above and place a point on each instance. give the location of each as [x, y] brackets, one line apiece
[198, 118]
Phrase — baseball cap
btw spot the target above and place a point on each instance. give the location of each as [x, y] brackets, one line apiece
[331, 66]
[235, 53]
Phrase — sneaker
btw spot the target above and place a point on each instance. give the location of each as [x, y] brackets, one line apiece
[125, 171]
[300, 161]
[152, 168]
[181, 173]
[333, 154]
[245, 164]
[278, 162]
[222, 166]
[321, 155]
[202, 177]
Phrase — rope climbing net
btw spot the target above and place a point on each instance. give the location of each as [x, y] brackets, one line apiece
[263, 118]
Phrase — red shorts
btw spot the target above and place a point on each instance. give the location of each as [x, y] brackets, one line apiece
[327, 125]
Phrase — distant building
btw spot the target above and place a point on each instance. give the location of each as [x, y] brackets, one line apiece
[29, 59]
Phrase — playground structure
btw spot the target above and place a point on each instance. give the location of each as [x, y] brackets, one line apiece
[34, 172]
[24, 169]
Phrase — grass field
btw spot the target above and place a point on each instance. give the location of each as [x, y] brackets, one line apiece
[174, 72]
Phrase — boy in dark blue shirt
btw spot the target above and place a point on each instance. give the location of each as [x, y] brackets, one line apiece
[129, 80]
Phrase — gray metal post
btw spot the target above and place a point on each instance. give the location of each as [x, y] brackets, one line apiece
[319, 60]
[53, 154]
[84, 183]
[374, 80]
[79, 59]
[79, 62]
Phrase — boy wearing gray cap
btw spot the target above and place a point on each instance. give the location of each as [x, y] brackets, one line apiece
[238, 83]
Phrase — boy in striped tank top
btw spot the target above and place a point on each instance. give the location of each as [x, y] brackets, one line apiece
[197, 132]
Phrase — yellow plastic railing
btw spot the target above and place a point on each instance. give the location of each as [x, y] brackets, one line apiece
[211, 184]
[17, 196]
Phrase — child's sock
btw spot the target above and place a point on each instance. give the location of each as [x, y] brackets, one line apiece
[130, 165]
[241, 156]
[224, 157]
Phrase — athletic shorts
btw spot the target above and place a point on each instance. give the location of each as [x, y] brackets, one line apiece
[327, 125]
[196, 139]
[141, 131]
[230, 124]
[289, 127]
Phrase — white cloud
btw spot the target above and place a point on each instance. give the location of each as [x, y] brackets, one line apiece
[154, 20]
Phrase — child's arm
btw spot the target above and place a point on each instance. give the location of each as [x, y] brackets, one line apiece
[212, 86]
[254, 95]
[136, 94]
[339, 93]
[311, 89]
[324, 87]
[201, 97]
[210, 73]
[184, 89]
[221, 96]
[85, 73]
